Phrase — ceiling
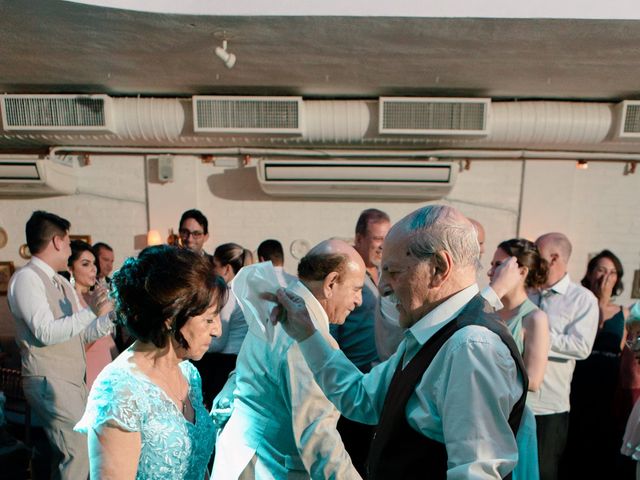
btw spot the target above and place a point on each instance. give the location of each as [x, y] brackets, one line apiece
[53, 46]
[49, 46]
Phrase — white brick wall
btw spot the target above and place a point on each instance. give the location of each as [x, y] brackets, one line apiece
[596, 208]
[111, 208]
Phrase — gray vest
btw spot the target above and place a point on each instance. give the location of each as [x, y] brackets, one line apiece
[66, 360]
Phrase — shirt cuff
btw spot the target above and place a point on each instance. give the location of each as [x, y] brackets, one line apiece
[491, 297]
[316, 351]
[87, 316]
[105, 324]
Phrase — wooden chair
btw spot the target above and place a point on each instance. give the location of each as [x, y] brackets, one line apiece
[16, 406]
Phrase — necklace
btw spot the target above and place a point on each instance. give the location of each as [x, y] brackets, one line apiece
[179, 398]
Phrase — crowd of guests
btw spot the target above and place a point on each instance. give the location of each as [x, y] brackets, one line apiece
[384, 359]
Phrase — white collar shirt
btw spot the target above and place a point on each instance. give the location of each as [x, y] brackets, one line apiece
[573, 323]
[34, 319]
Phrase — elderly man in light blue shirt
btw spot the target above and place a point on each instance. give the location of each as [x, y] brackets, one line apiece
[455, 409]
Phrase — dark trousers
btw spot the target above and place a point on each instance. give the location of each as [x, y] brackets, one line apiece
[356, 438]
[552, 431]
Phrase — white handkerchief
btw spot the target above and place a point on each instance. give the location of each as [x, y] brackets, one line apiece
[250, 282]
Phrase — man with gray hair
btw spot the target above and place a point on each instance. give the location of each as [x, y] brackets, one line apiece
[282, 425]
[448, 402]
[573, 322]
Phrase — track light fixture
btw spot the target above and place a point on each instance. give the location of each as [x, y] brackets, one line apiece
[229, 59]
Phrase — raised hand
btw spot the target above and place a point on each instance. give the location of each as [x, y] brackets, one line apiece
[99, 301]
[603, 288]
[506, 277]
[292, 314]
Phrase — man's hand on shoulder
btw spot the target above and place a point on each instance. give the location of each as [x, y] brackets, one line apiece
[292, 314]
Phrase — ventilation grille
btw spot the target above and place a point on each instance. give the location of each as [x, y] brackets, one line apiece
[247, 114]
[631, 119]
[56, 112]
[433, 116]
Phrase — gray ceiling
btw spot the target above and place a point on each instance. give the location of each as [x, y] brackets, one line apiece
[51, 46]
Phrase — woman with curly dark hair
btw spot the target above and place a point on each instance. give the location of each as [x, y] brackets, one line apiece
[83, 271]
[530, 329]
[145, 418]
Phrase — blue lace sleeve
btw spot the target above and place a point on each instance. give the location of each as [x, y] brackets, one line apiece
[117, 399]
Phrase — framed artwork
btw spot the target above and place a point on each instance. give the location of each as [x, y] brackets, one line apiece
[6, 270]
[84, 238]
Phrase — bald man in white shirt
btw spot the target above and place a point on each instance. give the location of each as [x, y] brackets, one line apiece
[573, 323]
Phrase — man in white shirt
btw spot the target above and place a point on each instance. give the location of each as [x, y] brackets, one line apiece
[573, 322]
[282, 425]
[271, 251]
[51, 333]
[448, 401]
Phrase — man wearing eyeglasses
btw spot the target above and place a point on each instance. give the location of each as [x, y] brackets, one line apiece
[194, 230]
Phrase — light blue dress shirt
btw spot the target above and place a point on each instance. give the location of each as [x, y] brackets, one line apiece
[463, 400]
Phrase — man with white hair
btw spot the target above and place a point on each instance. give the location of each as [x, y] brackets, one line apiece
[449, 401]
[573, 322]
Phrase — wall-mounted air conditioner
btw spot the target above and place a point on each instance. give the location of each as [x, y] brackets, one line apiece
[401, 179]
[22, 176]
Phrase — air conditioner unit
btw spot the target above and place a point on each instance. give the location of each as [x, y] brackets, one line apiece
[374, 179]
[627, 120]
[236, 114]
[44, 112]
[22, 176]
[434, 116]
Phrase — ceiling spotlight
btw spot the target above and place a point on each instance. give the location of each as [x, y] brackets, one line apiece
[582, 165]
[229, 59]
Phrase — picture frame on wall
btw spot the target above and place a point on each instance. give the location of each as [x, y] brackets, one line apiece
[84, 238]
[6, 270]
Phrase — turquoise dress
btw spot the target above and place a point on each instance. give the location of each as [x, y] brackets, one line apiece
[172, 447]
[527, 467]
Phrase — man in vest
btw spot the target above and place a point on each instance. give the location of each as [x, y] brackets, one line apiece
[448, 402]
[51, 331]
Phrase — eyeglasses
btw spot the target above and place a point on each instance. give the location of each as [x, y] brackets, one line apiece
[184, 233]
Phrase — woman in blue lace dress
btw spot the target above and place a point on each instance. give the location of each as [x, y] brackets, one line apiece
[529, 327]
[145, 418]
